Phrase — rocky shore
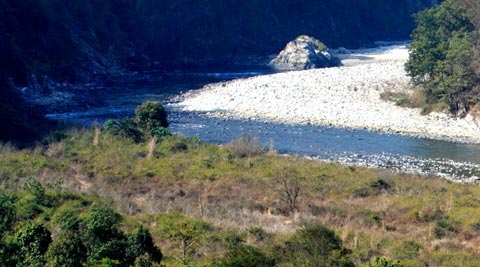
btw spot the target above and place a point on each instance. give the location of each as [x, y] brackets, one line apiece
[346, 97]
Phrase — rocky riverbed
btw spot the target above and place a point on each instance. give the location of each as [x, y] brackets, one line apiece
[344, 97]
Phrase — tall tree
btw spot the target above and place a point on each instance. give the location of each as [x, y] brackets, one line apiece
[441, 57]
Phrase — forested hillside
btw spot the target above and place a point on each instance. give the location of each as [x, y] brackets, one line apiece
[72, 39]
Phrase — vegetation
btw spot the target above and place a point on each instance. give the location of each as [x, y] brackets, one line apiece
[151, 117]
[150, 121]
[67, 40]
[206, 205]
[442, 57]
[63, 229]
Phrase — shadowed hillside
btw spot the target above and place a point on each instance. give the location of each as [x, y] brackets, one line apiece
[69, 40]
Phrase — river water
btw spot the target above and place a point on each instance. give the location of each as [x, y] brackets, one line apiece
[455, 161]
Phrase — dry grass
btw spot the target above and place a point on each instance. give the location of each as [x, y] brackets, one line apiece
[235, 192]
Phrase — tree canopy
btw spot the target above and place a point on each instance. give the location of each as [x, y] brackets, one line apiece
[442, 56]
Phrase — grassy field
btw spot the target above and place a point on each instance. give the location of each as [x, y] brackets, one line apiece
[258, 197]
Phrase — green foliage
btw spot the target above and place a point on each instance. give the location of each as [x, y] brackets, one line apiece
[67, 250]
[316, 246]
[32, 240]
[161, 132]
[150, 120]
[102, 224]
[102, 236]
[200, 177]
[383, 262]
[141, 249]
[246, 256]
[67, 216]
[445, 227]
[185, 233]
[7, 213]
[406, 250]
[124, 128]
[35, 188]
[441, 55]
[380, 184]
[151, 117]
[86, 234]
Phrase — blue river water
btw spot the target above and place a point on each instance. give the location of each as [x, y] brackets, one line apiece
[455, 161]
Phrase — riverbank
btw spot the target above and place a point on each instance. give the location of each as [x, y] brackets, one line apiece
[342, 97]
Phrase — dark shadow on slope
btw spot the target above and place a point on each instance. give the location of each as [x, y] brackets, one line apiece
[20, 124]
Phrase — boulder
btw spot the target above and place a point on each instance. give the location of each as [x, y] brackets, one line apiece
[303, 53]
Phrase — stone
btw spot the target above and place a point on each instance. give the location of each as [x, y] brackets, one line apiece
[303, 53]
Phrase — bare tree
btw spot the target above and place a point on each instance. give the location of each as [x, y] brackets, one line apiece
[289, 190]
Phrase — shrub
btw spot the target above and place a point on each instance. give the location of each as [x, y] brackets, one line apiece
[379, 184]
[35, 188]
[160, 132]
[444, 228]
[383, 262]
[140, 243]
[124, 128]
[246, 146]
[316, 246]
[246, 256]
[66, 250]
[32, 239]
[151, 116]
[7, 212]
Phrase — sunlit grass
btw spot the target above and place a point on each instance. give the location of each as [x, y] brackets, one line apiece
[376, 212]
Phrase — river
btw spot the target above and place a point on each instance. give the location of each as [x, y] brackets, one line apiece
[455, 161]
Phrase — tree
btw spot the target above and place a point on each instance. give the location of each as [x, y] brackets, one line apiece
[289, 190]
[441, 57]
[141, 248]
[186, 233]
[150, 116]
[316, 246]
[32, 240]
[67, 250]
[7, 213]
[102, 236]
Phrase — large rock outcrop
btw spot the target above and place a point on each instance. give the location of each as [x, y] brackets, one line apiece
[303, 53]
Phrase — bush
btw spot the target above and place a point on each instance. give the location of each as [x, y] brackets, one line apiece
[140, 244]
[124, 128]
[150, 116]
[32, 239]
[246, 146]
[379, 184]
[66, 250]
[316, 246]
[160, 132]
[7, 212]
[246, 256]
[444, 228]
[383, 262]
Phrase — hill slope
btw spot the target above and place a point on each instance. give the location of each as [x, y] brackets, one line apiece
[70, 39]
